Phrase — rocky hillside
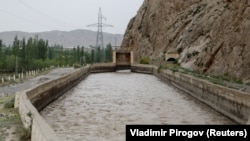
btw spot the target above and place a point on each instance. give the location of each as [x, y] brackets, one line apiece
[211, 36]
[67, 39]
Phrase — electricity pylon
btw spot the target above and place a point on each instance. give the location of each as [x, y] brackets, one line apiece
[99, 36]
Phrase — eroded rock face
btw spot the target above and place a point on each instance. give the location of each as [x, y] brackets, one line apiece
[211, 36]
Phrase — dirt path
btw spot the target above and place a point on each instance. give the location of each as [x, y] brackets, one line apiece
[13, 88]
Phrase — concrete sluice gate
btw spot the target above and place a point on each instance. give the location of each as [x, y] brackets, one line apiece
[100, 105]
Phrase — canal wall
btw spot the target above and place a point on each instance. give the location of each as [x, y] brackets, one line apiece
[103, 67]
[230, 102]
[30, 102]
[141, 68]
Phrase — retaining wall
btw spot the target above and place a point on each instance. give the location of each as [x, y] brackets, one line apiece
[30, 102]
[103, 67]
[230, 102]
[141, 68]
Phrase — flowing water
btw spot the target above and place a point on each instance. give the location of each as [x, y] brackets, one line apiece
[99, 107]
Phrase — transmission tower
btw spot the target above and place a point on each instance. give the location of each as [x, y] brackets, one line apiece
[99, 36]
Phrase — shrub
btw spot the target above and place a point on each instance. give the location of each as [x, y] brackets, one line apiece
[179, 50]
[145, 60]
[77, 66]
[25, 134]
[10, 103]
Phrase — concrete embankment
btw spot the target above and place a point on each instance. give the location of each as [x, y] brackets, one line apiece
[33, 100]
[30, 102]
[102, 67]
[230, 102]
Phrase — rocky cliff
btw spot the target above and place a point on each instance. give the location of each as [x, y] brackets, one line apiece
[211, 36]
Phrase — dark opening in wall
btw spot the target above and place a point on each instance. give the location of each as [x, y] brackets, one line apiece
[171, 60]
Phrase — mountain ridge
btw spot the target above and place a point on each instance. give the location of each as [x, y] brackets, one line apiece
[73, 38]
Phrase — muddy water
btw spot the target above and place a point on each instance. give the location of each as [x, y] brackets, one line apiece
[102, 104]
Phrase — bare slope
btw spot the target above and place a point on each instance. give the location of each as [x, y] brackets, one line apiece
[212, 36]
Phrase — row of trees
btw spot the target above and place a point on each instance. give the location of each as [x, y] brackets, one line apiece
[35, 53]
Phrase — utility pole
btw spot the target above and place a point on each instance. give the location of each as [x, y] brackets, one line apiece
[99, 36]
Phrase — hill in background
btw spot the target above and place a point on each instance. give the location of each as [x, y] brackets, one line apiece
[66, 38]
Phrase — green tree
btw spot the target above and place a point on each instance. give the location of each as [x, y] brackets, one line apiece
[42, 49]
[92, 56]
[109, 53]
[1, 55]
[35, 47]
[1, 50]
[1, 46]
[88, 57]
[24, 61]
[16, 47]
[78, 54]
[98, 55]
[82, 56]
[10, 62]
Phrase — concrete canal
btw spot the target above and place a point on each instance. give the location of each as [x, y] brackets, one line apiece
[101, 105]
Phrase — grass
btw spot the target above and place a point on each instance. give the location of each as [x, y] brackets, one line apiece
[220, 80]
[10, 122]
[10, 103]
[145, 60]
[170, 66]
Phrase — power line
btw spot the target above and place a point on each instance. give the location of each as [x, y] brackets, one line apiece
[99, 36]
[45, 15]
[25, 19]
[99, 25]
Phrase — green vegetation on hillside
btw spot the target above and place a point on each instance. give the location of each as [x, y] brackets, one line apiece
[145, 60]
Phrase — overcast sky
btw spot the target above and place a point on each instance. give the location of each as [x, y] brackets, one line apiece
[65, 15]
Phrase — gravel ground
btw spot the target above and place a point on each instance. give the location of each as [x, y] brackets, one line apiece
[13, 88]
